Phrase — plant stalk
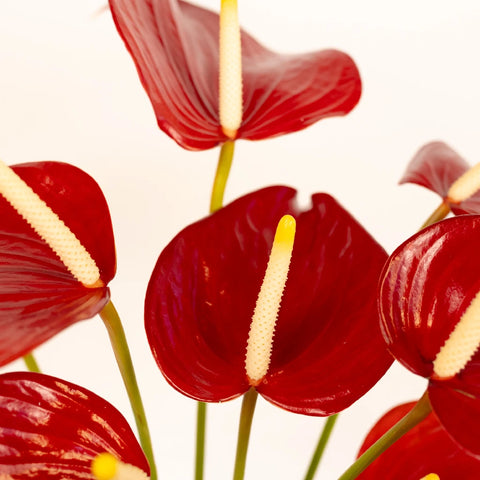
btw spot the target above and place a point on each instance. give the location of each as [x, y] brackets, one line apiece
[419, 412]
[118, 340]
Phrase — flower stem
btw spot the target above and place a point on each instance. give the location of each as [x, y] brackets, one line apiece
[439, 214]
[221, 176]
[322, 443]
[245, 425]
[216, 202]
[419, 412]
[31, 363]
[118, 340]
[200, 447]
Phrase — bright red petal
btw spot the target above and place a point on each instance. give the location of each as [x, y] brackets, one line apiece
[457, 404]
[38, 295]
[204, 287]
[53, 429]
[328, 349]
[427, 284]
[436, 166]
[175, 48]
[425, 449]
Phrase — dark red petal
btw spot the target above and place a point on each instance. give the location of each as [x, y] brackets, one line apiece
[38, 295]
[425, 449]
[204, 287]
[174, 45]
[286, 93]
[436, 166]
[53, 429]
[457, 404]
[202, 294]
[427, 284]
[328, 349]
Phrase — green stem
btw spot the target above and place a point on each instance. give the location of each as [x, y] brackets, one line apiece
[245, 425]
[118, 340]
[221, 176]
[439, 214]
[420, 411]
[322, 443]
[200, 448]
[31, 363]
[216, 202]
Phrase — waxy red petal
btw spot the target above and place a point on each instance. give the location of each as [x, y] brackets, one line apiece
[174, 45]
[53, 429]
[436, 166]
[427, 448]
[457, 404]
[327, 350]
[427, 284]
[38, 295]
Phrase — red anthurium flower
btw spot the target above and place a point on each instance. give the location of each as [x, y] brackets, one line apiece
[327, 349]
[39, 296]
[425, 449]
[436, 167]
[53, 429]
[428, 305]
[175, 47]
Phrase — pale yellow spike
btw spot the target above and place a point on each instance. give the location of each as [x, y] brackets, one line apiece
[431, 476]
[107, 467]
[260, 340]
[462, 343]
[49, 227]
[465, 186]
[230, 69]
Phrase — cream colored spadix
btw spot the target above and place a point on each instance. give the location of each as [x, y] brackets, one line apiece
[48, 226]
[462, 343]
[430, 476]
[260, 339]
[465, 186]
[230, 69]
[106, 467]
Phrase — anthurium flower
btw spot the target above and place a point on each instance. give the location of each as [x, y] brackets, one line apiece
[327, 349]
[426, 449]
[438, 167]
[175, 47]
[39, 294]
[53, 429]
[429, 317]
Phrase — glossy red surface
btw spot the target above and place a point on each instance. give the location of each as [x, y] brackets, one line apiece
[53, 429]
[436, 166]
[427, 448]
[38, 295]
[174, 45]
[327, 350]
[426, 286]
[457, 404]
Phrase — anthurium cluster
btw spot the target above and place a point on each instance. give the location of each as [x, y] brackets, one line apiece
[303, 307]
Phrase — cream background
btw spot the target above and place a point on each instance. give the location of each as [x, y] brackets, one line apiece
[69, 92]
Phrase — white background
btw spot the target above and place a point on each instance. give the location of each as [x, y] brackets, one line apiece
[69, 92]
